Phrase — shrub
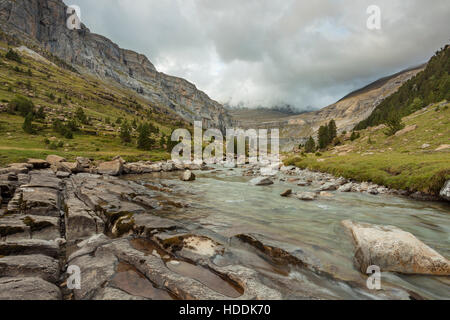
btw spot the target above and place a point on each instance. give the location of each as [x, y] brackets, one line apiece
[28, 124]
[355, 135]
[81, 116]
[21, 105]
[394, 124]
[13, 55]
[40, 114]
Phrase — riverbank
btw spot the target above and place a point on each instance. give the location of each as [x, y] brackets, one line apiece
[59, 214]
[415, 159]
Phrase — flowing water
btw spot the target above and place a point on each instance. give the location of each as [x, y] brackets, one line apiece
[223, 201]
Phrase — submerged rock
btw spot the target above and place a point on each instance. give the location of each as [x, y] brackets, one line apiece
[395, 250]
[287, 193]
[306, 196]
[188, 176]
[261, 181]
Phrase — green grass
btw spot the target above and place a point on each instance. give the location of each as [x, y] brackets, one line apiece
[399, 161]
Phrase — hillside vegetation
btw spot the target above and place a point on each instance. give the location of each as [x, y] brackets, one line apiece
[429, 86]
[72, 114]
[416, 158]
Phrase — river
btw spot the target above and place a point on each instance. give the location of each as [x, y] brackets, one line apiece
[223, 200]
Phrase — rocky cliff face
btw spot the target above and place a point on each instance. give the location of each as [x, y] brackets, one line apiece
[44, 22]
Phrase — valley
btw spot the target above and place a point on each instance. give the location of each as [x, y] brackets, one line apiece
[88, 182]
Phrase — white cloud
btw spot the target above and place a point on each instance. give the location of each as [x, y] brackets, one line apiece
[266, 52]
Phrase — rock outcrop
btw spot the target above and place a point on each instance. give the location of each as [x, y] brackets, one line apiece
[44, 23]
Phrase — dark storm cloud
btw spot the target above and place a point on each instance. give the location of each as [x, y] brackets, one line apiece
[267, 52]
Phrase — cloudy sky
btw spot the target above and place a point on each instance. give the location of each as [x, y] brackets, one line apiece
[267, 52]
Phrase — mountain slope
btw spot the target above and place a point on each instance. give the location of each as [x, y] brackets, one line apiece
[416, 159]
[430, 86]
[347, 112]
[44, 23]
[61, 93]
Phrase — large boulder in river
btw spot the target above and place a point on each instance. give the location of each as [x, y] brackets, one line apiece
[188, 176]
[445, 192]
[395, 250]
[111, 168]
[261, 181]
[306, 196]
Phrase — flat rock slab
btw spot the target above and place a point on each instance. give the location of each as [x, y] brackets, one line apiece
[36, 265]
[29, 226]
[47, 180]
[393, 249]
[28, 289]
[27, 247]
[36, 201]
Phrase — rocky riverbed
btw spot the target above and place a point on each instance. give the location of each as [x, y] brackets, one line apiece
[122, 234]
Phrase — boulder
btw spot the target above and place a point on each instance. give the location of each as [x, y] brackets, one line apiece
[346, 187]
[54, 160]
[38, 163]
[445, 192]
[329, 186]
[306, 196]
[261, 181]
[188, 176]
[395, 250]
[84, 163]
[287, 193]
[69, 167]
[443, 147]
[406, 130]
[111, 168]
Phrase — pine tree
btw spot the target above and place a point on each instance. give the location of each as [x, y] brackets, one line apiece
[28, 124]
[144, 141]
[323, 137]
[125, 132]
[310, 145]
[332, 131]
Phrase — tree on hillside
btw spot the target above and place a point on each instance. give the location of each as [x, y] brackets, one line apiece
[394, 124]
[40, 114]
[28, 124]
[310, 145]
[323, 137]
[81, 116]
[327, 134]
[125, 132]
[21, 105]
[332, 130]
[144, 141]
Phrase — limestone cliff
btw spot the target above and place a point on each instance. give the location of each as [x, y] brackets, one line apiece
[43, 22]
